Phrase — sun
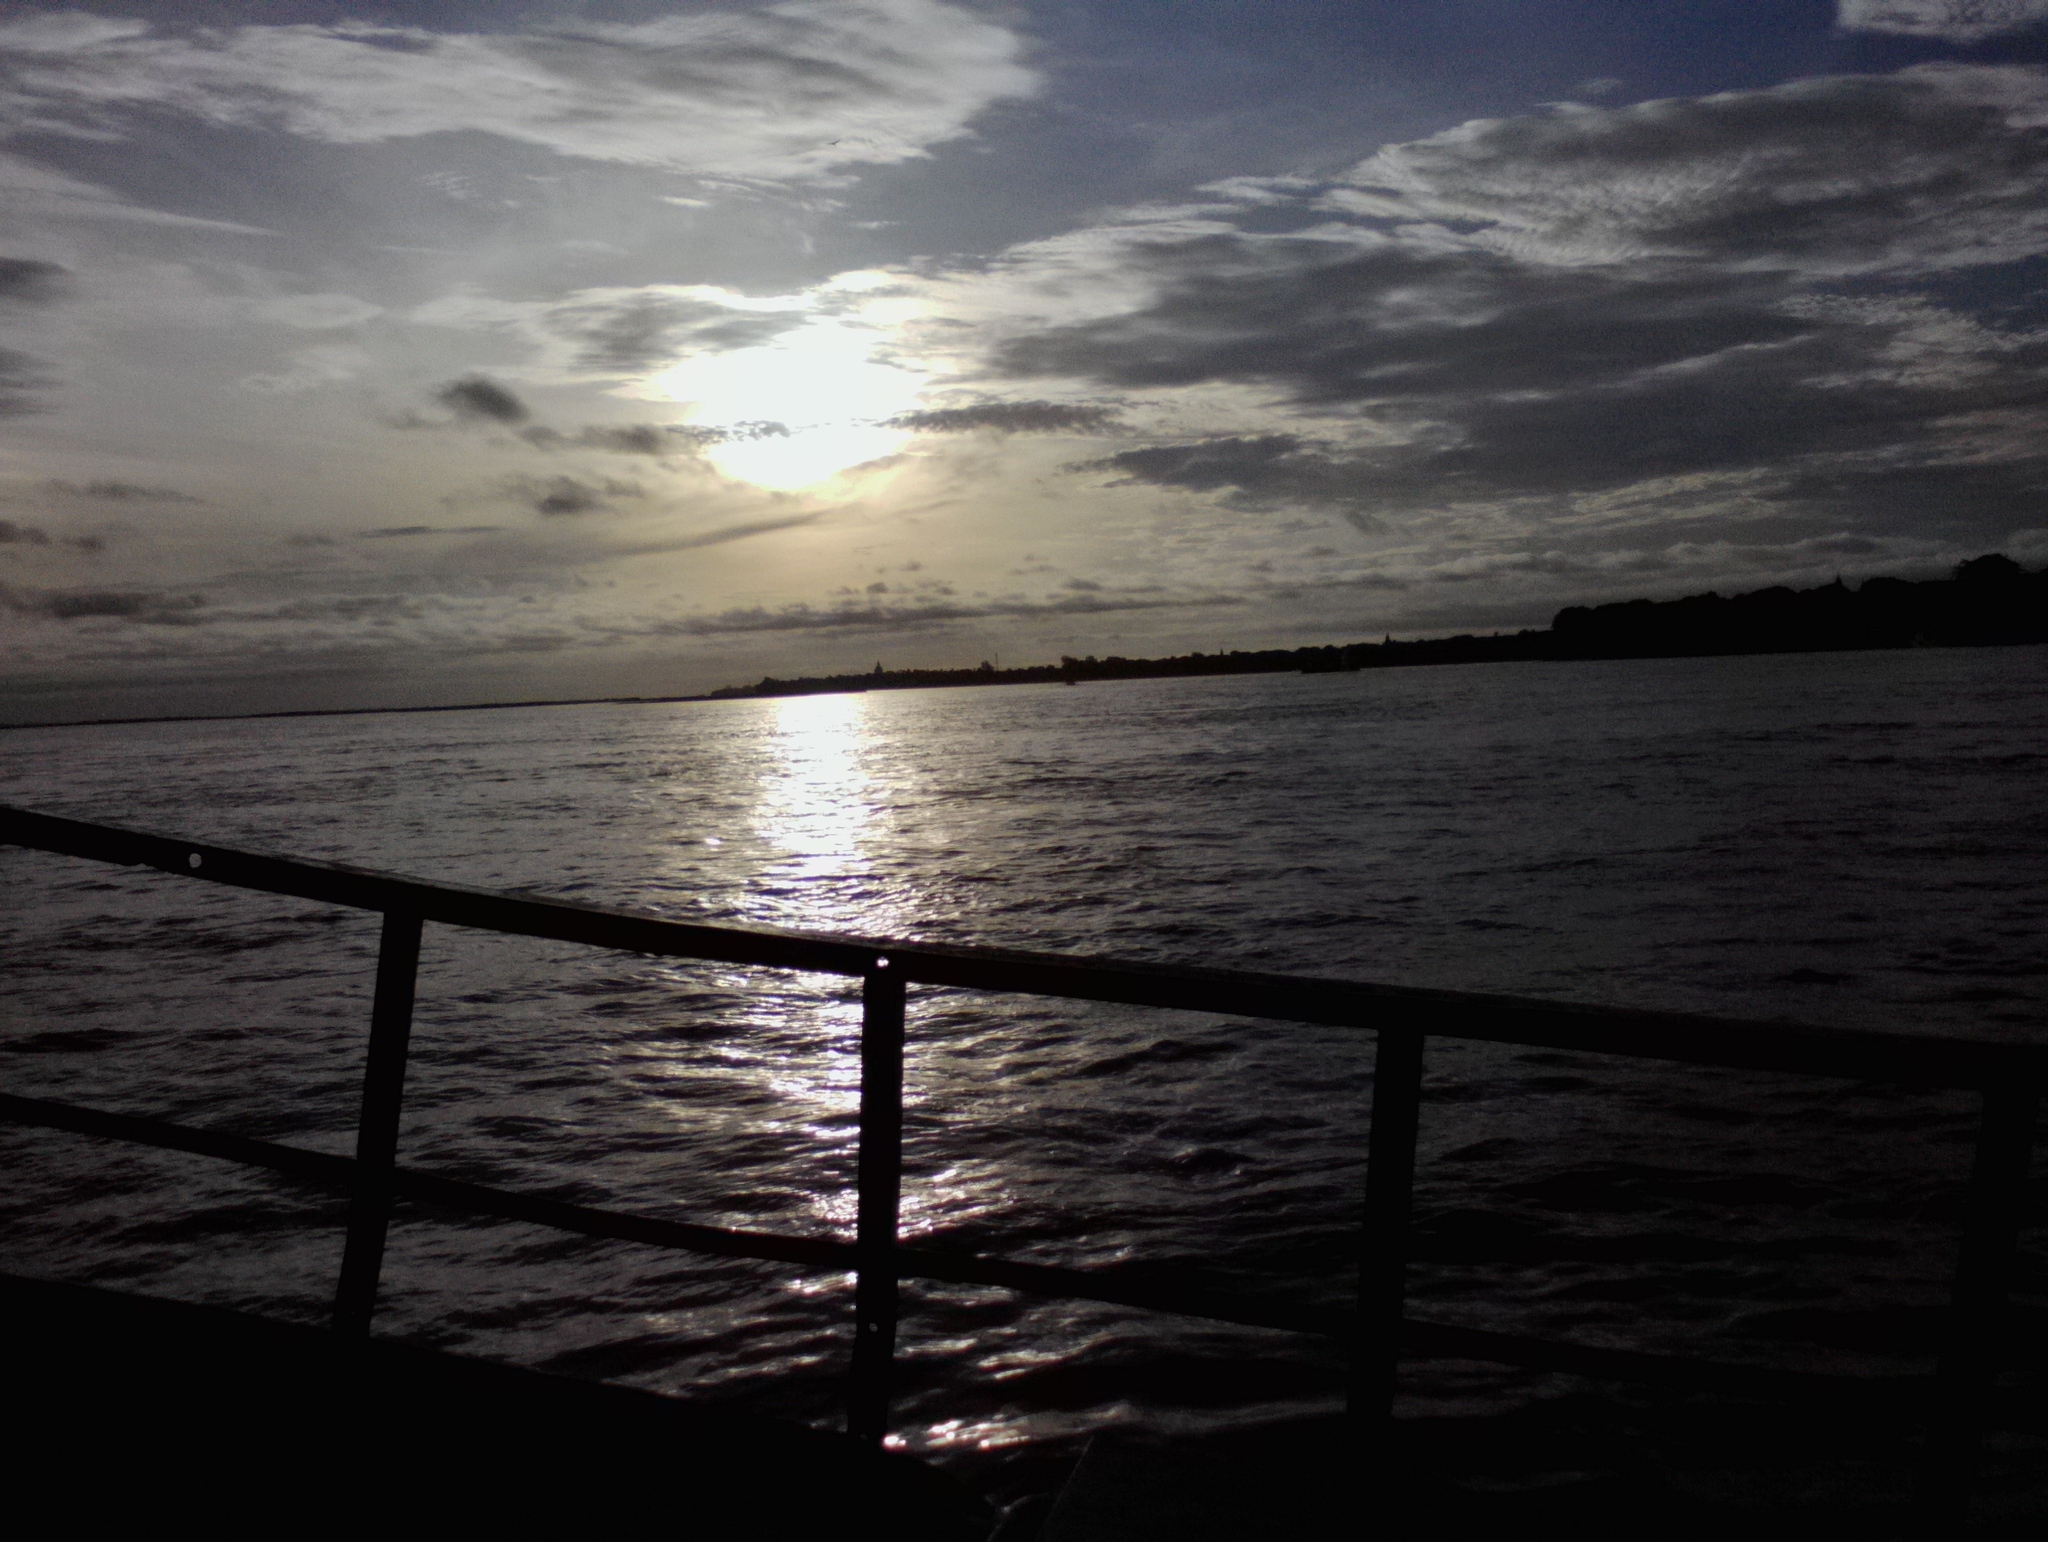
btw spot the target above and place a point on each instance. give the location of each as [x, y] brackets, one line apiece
[801, 409]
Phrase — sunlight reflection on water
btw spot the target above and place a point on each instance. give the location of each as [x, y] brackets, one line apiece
[816, 799]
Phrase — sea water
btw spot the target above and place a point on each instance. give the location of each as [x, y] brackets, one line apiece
[1856, 839]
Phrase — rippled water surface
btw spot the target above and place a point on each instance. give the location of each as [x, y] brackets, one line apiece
[1854, 839]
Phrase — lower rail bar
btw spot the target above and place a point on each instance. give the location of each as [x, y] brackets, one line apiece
[1418, 1339]
[881, 1188]
[369, 1211]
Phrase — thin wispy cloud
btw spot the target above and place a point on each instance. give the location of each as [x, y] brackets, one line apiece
[788, 92]
[1956, 21]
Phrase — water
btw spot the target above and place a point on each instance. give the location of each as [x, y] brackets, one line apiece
[1853, 839]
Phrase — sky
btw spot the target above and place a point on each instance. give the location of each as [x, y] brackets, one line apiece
[410, 353]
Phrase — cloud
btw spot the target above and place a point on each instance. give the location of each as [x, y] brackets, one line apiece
[924, 615]
[787, 92]
[1668, 312]
[1936, 166]
[1954, 21]
[22, 378]
[478, 397]
[121, 492]
[314, 312]
[1269, 471]
[1008, 418]
[629, 439]
[346, 607]
[30, 188]
[12, 534]
[148, 607]
[622, 332]
[566, 495]
[311, 368]
[623, 438]
[1339, 321]
[389, 532]
[608, 333]
[743, 531]
[24, 280]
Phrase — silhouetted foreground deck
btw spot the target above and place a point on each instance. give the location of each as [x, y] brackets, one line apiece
[1377, 1336]
[127, 1411]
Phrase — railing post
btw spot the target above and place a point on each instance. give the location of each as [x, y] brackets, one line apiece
[1978, 1328]
[369, 1210]
[1383, 1253]
[881, 1187]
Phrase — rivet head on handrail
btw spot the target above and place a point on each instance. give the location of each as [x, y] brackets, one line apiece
[194, 860]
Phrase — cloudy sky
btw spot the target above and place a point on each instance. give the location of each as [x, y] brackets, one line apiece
[417, 352]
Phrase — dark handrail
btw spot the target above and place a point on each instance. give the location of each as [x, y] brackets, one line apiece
[1939, 1060]
[2010, 1075]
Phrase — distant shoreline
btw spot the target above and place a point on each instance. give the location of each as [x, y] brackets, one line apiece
[459, 706]
[1991, 601]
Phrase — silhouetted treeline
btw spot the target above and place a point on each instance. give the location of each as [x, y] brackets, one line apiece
[1989, 600]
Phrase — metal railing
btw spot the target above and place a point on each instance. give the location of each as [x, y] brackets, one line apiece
[1378, 1334]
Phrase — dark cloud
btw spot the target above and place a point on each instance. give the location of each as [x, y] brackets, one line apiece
[622, 439]
[566, 495]
[21, 379]
[350, 607]
[390, 532]
[1325, 323]
[628, 439]
[925, 614]
[479, 398]
[1269, 471]
[1772, 287]
[741, 532]
[1009, 418]
[1488, 380]
[121, 492]
[635, 332]
[26, 281]
[148, 607]
[12, 534]
[1967, 501]
[1833, 452]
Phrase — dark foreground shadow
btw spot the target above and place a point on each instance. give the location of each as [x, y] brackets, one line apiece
[1585, 1468]
[132, 1412]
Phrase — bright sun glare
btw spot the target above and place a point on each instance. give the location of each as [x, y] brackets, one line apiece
[819, 382]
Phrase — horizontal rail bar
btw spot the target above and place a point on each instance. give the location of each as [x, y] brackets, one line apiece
[1421, 1339]
[339, 1172]
[1859, 1054]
